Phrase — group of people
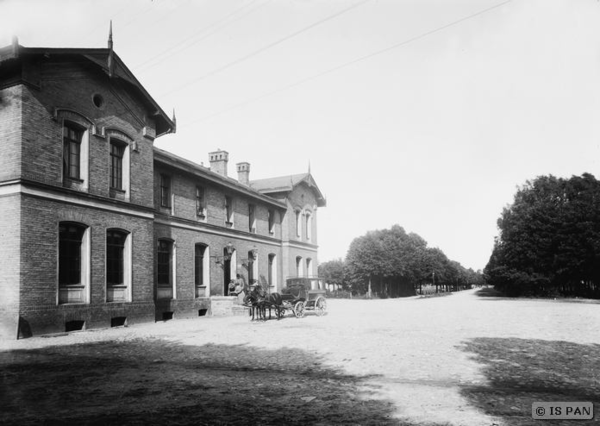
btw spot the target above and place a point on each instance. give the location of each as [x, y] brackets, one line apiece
[238, 288]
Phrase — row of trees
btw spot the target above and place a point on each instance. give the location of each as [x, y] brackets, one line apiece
[549, 240]
[392, 263]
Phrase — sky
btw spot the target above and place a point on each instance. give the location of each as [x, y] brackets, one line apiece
[428, 114]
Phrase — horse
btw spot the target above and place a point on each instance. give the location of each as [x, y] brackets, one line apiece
[255, 300]
[259, 301]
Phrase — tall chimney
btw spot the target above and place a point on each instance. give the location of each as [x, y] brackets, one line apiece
[218, 161]
[243, 170]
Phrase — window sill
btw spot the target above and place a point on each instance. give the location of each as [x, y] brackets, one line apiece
[229, 224]
[72, 183]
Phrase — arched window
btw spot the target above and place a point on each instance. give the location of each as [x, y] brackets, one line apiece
[73, 262]
[118, 266]
[308, 226]
[309, 271]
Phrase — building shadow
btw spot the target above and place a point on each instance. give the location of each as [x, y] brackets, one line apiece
[519, 372]
[159, 382]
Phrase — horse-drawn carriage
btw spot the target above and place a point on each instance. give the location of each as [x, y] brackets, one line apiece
[299, 296]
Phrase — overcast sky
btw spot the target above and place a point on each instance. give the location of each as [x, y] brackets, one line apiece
[422, 113]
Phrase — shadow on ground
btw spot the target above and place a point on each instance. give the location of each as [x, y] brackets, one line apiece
[157, 382]
[520, 372]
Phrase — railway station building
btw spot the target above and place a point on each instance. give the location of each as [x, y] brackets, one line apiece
[100, 228]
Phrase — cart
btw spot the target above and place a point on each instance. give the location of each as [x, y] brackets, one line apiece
[302, 295]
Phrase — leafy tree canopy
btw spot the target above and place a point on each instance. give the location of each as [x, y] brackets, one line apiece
[549, 239]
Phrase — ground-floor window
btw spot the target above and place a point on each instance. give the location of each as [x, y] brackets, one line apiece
[299, 271]
[272, 271]
[164, 269]
[73, 262]
[309, 271]
[118, 266]
[201, 270]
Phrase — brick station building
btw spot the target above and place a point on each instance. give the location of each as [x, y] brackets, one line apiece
[100, 228]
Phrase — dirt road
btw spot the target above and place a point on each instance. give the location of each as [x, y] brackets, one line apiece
[455, 360]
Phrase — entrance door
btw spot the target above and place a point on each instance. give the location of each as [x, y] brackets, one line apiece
[226, 275]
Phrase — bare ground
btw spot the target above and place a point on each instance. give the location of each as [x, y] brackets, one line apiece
[457, 360]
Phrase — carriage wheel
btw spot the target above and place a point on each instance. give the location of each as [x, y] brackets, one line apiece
[299, 309]
[321, 306]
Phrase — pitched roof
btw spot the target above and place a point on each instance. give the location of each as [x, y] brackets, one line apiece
[172, 160]
[287, 184]
[100, 58]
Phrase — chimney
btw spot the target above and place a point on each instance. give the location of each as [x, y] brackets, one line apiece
[243, 170]
[218, 162]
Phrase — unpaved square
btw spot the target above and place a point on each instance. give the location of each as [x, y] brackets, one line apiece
[460, 359]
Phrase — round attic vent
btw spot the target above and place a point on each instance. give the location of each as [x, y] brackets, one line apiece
[98, 100]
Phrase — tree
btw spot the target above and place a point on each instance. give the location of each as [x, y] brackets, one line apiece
[396, 264]
[334, 272]
[549, 239]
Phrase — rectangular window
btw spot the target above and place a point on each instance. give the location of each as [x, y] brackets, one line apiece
[72, 263]
[200, 201]
[251, 218]
[118, 278]
[271, 270]
[115, 262]
[164, 263]
[298, 224]
[199, 265]
[72, 137]
[165, 191]
[228, 211]
[116, 165]
[271, 221]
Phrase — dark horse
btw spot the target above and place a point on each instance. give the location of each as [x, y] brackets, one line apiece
[259, 301]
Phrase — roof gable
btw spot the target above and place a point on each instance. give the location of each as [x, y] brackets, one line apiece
[100, 58]
[287, 184]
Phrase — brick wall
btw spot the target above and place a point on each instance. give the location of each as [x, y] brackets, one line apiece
[10, 132]
[39, 259]
[70, 88]
[9, 265]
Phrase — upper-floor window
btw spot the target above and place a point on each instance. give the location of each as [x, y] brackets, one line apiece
[72, 140]
[228, 211]
[117, 151]
[271, 219]
[251, 218]
[298, 224]
[165, 190]
[308, 226]
[200, 207]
